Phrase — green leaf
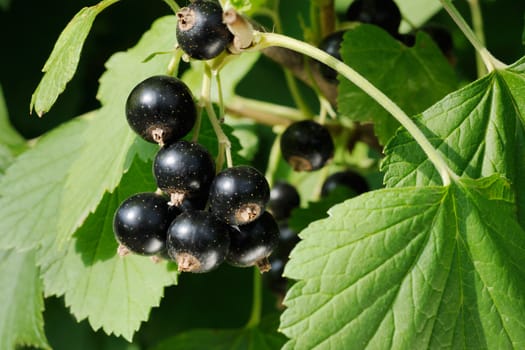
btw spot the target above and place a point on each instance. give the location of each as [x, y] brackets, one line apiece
[248, 6]
[21, 301]
[400, 72]
[6, 158]
[417, 13]
[32, 188]
[62, 63]
[9, 137]
[263, 337]
[479, 129]
[411, 268]
[113, 293]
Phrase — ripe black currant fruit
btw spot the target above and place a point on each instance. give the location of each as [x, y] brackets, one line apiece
[239, 195]
[198, 241]
[201, 33]
[184, 169]
[283, 199]
[348, 179]
[141, 222]
[288, 239]
[331, 44]
[307, 145]
[161, 109]
[383, 13]
[251, 244]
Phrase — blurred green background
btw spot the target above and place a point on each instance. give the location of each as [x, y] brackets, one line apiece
[28, 30]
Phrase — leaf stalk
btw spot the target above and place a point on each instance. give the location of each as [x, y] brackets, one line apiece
[491, 62]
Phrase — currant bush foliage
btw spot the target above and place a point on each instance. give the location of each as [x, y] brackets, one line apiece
[415, 264]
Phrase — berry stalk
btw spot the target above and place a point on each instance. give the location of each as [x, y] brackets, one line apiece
[205, 101]
[255, 316]
[264, 40]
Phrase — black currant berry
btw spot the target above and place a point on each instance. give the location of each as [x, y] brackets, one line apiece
[288, 239]
[141, 222]
[184, 169]
[331, 45]
[307, 145]
[201, 33]
[238, 195]
[252, 244]
[383, 13]
[161, 109]
[198, 241]
[283, 199]
[348, 179]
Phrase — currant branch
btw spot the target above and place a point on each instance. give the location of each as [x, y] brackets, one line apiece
[265, 40]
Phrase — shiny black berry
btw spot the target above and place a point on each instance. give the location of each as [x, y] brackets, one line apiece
[198, 241]
[283, 199]
[288, 239]
[184, 169]
[161, 109]
[307, 145]
[238, 195]
[348, 179]
[383, 13]
[201, 33]
[141, 222]
[331, 44]
[251, 244]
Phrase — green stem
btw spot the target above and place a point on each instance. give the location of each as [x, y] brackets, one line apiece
[264, 40]
[173, 65]
[293, 88]
[263, 112]
[255, 316]
[477, 24]
[222, 139]
[105, 4]
[273, 159]
[173, 5]
[490, 62]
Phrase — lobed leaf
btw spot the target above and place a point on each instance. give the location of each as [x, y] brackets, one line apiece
[62, 63]
[21, 301]
[479, 129]
[398, 71]
[32, 188]
[411, 268]
[114, 293]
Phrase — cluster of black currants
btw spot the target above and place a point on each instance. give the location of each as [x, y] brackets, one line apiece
[197, 218]
[384, 14]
